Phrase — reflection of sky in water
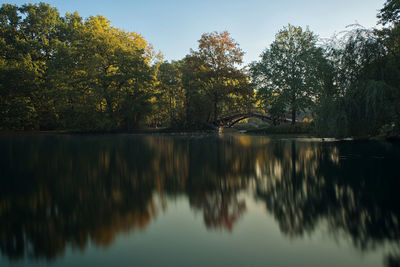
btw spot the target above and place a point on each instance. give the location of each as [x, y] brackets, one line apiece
[197, 200]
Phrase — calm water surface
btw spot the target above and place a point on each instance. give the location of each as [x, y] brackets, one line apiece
[198, 200]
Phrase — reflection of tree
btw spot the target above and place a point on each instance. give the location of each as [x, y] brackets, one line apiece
[211, 171]
[338, 183]
[283, 183]
[220, 209]
[58, 192]
[392, 260]
[220, 169]
[64, 191]
[50, 199]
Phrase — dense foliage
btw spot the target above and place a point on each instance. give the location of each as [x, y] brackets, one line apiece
[290, 73]
[350, 84]
[213, 82]
[69, 73]
[83, 74]
[365, 97]
[86, 75]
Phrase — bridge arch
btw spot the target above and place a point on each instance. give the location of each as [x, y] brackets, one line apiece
[268, 120]
[231, 120]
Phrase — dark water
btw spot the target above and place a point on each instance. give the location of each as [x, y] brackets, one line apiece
[132, 200]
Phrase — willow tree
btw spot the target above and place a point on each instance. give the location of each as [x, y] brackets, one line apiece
[289, 76]
[390, 13]
[366, 80]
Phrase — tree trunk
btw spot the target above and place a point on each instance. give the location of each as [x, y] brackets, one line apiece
[293, 107]
[293, 116]
[216, 106]
[215, 110]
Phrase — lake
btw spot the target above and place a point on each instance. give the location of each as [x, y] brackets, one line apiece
[198, 200]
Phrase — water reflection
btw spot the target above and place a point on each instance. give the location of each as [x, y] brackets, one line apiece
[66, 191]
[351, 186]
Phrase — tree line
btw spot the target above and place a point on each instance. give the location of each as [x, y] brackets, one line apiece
[81, 74]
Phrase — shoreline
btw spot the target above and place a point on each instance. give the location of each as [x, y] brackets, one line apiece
[178, 132]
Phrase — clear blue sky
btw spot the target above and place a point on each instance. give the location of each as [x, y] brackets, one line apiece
[174, 26]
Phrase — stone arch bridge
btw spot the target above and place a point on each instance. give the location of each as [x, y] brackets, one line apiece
[232, 119]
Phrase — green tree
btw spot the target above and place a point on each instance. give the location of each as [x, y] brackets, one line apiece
[289, 75]
[171, 94]
[104, 74]
[28, 38]
[390, 13]
[366, 95]
[70, 73]
[215, 84]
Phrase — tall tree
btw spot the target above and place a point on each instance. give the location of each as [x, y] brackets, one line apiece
[102, 76]
[366, 81]
[288, 76]
[170, 94]
[28, 38]
[219, 82]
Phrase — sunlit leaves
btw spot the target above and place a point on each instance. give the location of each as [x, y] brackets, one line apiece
[77, 74]
[216, 80]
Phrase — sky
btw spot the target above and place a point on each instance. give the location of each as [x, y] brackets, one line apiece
[174, 26]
